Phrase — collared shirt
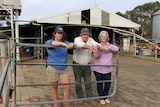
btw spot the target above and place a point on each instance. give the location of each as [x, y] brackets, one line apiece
[81, 55]
[104, 58]
[57, 55]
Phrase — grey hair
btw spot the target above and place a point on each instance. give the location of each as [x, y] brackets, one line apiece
[103, 32]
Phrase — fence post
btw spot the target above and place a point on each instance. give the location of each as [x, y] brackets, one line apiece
[155, 50]
[42, 42]
[17, 36]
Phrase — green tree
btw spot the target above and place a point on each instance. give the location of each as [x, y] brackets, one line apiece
[143, 15]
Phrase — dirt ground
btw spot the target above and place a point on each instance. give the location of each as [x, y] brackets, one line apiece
[138, 84]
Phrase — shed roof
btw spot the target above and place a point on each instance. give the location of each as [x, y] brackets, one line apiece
[97, 16]
[157, 13]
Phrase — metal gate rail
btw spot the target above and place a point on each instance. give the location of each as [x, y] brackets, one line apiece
[60, 101]
[5, 79]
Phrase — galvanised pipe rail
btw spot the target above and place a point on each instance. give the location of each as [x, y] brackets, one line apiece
[55, 64]
[61, 101]
[25, 38]
[3, 40]
[74, 100]
[6, 96]
[71, 100]
[59, 84]
[35, 45]
[5, 30]
[42, 45]
[3, 77]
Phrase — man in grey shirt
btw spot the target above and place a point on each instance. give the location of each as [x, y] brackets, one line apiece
[82, 55]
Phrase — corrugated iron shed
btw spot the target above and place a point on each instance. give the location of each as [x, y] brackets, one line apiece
[157, 13]
[89, 16]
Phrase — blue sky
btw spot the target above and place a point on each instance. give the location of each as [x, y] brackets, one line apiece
[39, 8]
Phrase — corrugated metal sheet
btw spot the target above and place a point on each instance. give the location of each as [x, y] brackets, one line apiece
[15, 4]
[118, 21]
[156, 26]
[98, 16]
[157, 13]
[105, 18]
[95, 16]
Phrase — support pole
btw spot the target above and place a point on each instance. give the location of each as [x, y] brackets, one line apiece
[134, 42]
[17, 36]
[12, 33]
[15, 76]
[113, 39]
[155, 50]
[42, 42]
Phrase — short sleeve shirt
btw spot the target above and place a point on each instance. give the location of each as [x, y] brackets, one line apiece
[80, 55]
[57, 55]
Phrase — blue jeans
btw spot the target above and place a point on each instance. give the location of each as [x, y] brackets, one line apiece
[103, 88]
[85, 73]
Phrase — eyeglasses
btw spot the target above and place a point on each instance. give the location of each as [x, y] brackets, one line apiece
[59, 32]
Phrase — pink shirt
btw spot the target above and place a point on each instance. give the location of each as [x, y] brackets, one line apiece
[104, 58]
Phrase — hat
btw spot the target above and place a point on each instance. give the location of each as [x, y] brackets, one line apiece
[58, 29]
[84, 31]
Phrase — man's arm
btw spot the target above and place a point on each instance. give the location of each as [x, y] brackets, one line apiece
[71, 45]
[78, 42]
[85, 46]
[96, 46]
[95, 49]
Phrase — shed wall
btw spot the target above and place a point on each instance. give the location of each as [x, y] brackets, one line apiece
[96, 16]
[9, 3]
[156, 27]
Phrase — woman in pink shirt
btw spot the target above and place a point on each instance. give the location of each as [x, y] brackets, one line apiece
[104, 57]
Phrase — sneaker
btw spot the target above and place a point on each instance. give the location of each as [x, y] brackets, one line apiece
[107, 101]
[102, 102]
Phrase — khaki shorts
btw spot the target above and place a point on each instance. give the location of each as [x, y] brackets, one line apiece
[55, 75]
